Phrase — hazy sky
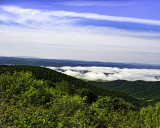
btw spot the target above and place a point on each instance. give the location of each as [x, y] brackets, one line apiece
[94, 30]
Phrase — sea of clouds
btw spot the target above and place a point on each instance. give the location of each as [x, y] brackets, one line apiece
[109, 73]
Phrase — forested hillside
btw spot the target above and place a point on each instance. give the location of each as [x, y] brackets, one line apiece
[40, 97]
[52, 77]
[137, 89]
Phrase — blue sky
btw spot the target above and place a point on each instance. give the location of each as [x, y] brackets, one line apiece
[94, 30]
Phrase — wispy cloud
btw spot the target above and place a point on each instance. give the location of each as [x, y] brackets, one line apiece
[96, 3]
[31, 17]
[55, 34]
[28, 16]
[110, 74]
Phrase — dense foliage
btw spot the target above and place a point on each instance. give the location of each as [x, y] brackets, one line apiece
[137, 89]
[52, 77]
[26, 101]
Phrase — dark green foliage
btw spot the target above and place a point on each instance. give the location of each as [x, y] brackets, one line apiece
[64, 86]
[90, 96]
[22, 86]
[50, 84]
[26, 101]
[46, 74]
[137, 89]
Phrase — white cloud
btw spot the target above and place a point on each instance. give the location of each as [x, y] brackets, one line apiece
[87, 43]
[111, 74]
[94, 76]
[52, 35]
[34, 15]
[95, 3]
[73, 73]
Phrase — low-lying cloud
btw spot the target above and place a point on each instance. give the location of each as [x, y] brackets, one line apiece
[110, 73]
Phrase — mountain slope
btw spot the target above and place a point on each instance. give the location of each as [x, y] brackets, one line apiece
[137, 89]
[42, 73]
[26, 101]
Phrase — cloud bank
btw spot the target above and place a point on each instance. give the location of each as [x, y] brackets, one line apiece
[109, 73]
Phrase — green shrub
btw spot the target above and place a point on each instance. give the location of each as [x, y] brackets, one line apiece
[23, 87]
[64, 86]
[28, 102]
[91, 97]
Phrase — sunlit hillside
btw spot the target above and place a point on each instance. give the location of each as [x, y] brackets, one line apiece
[40, 97]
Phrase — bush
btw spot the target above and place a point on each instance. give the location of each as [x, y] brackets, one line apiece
[23, 87]
[65, 87]
[91, 97]
[28, 102]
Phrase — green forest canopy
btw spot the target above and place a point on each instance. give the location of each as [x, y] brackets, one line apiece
[40, 97]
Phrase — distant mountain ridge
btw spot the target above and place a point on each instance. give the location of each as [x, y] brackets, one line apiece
[59, 63]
